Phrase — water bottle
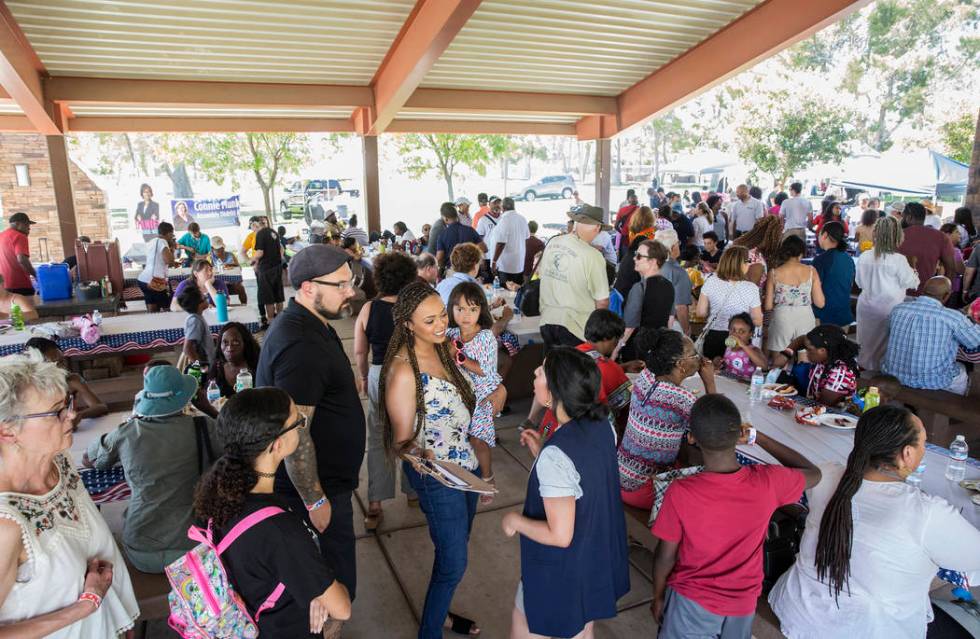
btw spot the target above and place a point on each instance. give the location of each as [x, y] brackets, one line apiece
[17, 317]
[956, 469]
[221, 307]
[871, 398]
[243, 380]
[97, 317]
[915, 479]
[214, 393]
[755, 389]
[773, 376]
[195, 371]
[489, 293]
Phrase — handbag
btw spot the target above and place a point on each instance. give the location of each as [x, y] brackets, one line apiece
[699, 342]
[158, 284]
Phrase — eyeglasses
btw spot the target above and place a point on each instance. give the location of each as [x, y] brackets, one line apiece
[641, 256]
[61, 413]
[299, 423]
[681, 359]
[347, 285]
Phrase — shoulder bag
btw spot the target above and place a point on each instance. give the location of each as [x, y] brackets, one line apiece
[699, 342]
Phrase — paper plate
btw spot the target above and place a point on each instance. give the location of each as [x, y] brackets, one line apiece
[770, 389]
[838, 421]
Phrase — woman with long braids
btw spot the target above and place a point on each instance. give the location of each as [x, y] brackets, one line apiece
[259, 428]
[763, 243]
[873, 543]
[428, 402]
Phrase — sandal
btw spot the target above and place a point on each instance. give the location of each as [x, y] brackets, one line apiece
[372, 520]
[463, 626]
[486, 500]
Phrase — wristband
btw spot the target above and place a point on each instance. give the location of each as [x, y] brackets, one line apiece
[753, 434]
[91, 596]
[319, 502]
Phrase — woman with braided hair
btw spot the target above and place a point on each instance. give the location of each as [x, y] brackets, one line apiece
[428, 402]
[763, 243]
[873, 543]
[259, 427]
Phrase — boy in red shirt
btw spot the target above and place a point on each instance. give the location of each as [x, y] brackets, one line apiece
[707, 573]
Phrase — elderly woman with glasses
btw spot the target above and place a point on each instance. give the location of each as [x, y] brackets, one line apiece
[61, 574]
[163, 453]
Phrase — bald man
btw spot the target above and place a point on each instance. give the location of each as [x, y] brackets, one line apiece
[923, 340]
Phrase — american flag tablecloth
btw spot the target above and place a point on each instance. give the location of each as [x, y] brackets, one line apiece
[105, 486]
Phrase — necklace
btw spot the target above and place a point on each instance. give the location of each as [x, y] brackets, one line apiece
[266, 475]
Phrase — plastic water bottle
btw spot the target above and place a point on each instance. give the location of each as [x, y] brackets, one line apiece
[755, 389]
[97, 317]
[214, 393]
[871, 398]
[956, 469]
[195, 371]
[915, 479]
[243, 380]
[17, 317]
[773, 376]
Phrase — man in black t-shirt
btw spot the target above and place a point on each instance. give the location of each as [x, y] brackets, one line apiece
[267, 260]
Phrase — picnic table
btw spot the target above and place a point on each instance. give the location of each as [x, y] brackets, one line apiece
[131, 290]
[131, 333]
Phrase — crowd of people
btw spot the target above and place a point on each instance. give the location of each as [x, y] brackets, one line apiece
[630, 306]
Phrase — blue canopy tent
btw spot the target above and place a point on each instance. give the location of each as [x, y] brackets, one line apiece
[922, 173]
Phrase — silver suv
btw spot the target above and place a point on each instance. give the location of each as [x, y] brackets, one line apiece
[553, 186]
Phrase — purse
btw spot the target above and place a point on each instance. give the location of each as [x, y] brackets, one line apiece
[158, 284]
[699, 342]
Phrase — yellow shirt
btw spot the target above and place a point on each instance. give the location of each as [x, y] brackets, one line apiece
[249, 244]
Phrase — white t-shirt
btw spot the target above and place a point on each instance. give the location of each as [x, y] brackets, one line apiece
[512, 232]
[902, 536]
[485, 228]
[885, 278]
[795, 212]
[728, 298]
[407, 237]
[701, 226]
[156, 266]
[934, 221]
[745, 214]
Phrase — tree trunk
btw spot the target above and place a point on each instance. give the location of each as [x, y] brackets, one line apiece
[584, 162]
[129, 148]
[267, 199]
[973, 178]
[618, 172]
[656, 155]
[505, 171]
[181, 182]
[447, 175]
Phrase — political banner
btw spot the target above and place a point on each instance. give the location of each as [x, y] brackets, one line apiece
[209, 214]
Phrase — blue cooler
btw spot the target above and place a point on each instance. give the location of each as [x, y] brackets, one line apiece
[54, 282]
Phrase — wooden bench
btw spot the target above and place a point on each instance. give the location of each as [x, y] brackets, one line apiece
[937, 410]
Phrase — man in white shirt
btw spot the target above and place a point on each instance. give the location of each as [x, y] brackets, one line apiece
[509, 243]
[484, 228]
[746, 210]
[797, 213]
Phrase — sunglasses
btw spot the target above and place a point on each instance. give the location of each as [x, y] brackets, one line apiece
[61, 413]
[299, 423]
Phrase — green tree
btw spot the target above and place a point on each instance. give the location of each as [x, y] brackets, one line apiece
[443, 153]
[265, 156]
[896, 57]
[782, 142]
[958, 137]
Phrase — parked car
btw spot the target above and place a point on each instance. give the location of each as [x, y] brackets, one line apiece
[553, 186]
[299, 195]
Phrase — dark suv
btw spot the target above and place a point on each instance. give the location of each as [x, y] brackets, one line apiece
[553, 186]
[298, 196]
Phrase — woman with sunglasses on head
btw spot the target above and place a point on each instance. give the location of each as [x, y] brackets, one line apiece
[61, 573]
[259, 428]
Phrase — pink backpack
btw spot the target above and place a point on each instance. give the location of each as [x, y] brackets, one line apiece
[203, 605]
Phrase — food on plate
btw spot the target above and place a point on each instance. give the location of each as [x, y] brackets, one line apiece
[785, 390]
[809, 415]
[781, 402]
[837, 420]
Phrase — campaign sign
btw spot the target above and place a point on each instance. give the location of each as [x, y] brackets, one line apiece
[209, 214]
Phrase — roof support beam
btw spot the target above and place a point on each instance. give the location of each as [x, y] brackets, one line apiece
[425, 36]
[511, 102]
[209, 125]
[480, 127]
[739, 45]
[21, 74]
[191, 93]
[18, 123]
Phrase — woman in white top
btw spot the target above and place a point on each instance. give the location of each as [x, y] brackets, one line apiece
[883, 274]
[725, 293]
[704, 221]
[159, 257]
[873, 543]
[61, 573]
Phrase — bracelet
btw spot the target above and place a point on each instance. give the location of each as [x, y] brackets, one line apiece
[753, 434]
[319, 502]
[490, 478]
[92, 597]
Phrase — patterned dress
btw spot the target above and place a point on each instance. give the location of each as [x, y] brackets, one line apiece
[737, 362]
[838, 378]
[61, 530]
[659, 416]
[447, 422]
[483, 349]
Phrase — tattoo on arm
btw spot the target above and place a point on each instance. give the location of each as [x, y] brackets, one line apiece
[302, 471]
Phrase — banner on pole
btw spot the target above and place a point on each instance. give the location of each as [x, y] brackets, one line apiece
[209, 213]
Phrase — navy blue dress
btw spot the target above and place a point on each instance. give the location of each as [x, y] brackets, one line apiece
[565, 588]
[836, 271]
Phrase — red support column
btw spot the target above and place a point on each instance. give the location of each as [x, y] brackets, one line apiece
[371, 191]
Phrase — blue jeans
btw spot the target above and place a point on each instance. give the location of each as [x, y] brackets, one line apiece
[450, 516]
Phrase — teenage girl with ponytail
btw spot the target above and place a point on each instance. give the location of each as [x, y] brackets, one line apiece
[873, 543]
[428, 402]
[259, 427]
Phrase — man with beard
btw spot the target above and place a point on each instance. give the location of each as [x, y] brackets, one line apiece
[303, 355]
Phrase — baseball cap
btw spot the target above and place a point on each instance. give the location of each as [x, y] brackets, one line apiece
[461, 200]
[588, 214]
[20, 218]
[315, 260]
[217, 242]
[898, 207]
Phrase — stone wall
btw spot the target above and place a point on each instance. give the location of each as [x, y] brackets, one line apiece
[38, 201]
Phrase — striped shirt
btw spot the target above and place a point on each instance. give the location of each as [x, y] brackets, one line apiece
[660, 413]
[923, 340]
